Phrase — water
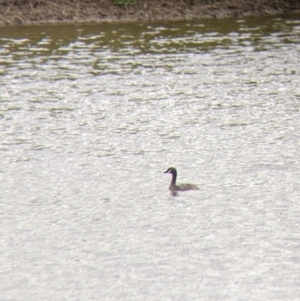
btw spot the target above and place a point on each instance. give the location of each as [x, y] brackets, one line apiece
[91, 116]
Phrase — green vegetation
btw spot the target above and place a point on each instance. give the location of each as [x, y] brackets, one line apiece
[123, 2]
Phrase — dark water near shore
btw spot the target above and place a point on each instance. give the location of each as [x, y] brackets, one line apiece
[91, 116]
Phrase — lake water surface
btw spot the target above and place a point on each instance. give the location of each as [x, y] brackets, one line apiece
[91, 116]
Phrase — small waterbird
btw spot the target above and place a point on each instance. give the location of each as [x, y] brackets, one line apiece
[180, 187]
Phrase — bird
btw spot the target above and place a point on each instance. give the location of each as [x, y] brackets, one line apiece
[180, 187]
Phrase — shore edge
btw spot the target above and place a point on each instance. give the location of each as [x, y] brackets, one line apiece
[45, 12]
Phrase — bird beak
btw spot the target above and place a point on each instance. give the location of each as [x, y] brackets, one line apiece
[165, 171]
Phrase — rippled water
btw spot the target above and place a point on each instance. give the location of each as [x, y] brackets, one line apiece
[91, 116]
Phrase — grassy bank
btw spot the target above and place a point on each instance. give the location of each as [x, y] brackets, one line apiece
[27, 12]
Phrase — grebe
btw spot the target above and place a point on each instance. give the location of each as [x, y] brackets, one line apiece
[180, 187]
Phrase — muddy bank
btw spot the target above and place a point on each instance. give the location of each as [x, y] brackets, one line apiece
[29, 12]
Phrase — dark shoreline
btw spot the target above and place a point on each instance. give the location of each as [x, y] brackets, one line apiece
[36, 12]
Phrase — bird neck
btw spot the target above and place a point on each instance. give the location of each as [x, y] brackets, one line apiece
[174, 176]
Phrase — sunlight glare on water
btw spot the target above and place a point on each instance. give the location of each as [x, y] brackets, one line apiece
[90, 118]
